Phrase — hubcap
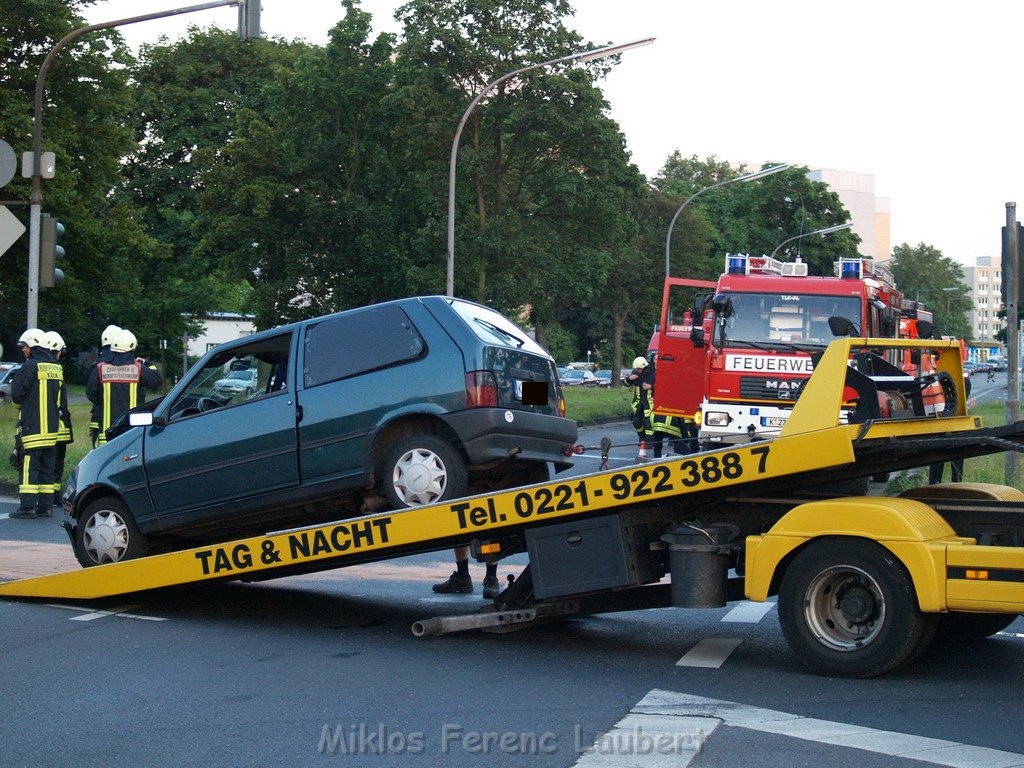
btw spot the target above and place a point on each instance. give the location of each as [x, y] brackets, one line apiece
[105, 537]
[844, 608]
[420, 477]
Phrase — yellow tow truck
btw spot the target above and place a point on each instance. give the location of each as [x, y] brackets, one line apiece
[864, 583]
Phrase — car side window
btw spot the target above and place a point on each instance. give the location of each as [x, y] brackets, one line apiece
[238, 374]
[352, 344]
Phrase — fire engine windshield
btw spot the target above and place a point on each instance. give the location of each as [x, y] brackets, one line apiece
[791, 317]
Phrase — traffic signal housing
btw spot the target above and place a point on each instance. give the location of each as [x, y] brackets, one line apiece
[249, 20]
[49, 252]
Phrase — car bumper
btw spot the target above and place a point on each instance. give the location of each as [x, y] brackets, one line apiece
[486, 436]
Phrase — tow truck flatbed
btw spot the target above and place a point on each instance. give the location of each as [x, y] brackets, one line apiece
[754, 488]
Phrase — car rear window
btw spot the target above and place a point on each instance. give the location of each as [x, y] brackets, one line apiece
[352, 344]
[494, 328]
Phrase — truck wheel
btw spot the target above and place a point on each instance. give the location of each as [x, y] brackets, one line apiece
[107, 533]
[956, 628]
[848, 608]
[423, 470]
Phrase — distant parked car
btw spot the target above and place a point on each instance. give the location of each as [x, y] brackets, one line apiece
[998, 363]
[604, 378]
[239, 381]
[574, 378]
[6, 377]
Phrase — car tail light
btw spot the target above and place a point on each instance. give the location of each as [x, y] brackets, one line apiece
[561, 407]
[481, 390]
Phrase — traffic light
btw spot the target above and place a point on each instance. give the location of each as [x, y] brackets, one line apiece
[249, 19]
[1020, 261]
[49, 252]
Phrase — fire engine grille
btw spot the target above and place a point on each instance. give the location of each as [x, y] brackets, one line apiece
[763, 388]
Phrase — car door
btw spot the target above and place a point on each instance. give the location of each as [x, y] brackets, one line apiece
[213, 448]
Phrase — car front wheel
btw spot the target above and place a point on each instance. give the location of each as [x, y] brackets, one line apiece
[423, 470]
[107, 533]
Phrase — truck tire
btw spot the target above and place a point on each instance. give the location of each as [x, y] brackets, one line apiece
[423, 469]
[958, 628]
[848, 608]
[107, 533]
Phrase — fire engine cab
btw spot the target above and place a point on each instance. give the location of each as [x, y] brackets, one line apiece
[736, 360]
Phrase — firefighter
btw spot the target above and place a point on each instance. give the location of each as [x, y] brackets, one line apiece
[56, 344]
[36, 392]
[119, 384]
[641, 409]
[103, 357]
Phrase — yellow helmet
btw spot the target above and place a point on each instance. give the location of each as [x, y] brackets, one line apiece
[640, 362]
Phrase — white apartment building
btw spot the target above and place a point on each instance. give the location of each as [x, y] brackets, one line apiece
[984, 281]
[870, 214]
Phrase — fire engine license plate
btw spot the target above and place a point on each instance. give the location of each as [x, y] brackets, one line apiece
[773, 421]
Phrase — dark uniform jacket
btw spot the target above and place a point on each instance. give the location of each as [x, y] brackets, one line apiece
[118, 385]
[38, 389]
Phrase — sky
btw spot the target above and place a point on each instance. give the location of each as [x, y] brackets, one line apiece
[924, 96]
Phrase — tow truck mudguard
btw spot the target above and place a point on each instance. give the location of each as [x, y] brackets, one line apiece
[910, 529]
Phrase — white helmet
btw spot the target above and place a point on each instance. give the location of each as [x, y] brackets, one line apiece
[124, 341]
[53, 340]
[640, 362]
[108, 335]
[33, 337]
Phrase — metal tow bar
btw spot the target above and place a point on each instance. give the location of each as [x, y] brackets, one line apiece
[491, 620]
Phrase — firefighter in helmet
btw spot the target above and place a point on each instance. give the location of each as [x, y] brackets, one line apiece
[119, 384]
[65, 435]
[36, 391]
[104, 357]
[641, 408]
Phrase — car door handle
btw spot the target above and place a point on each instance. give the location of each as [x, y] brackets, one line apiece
[298, 413]
[667, 358]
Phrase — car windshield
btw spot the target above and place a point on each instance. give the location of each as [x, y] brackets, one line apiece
[787, 317]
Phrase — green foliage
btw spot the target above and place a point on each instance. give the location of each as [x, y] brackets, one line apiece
[561, 344]
[756, 216]
[85, 117]
[923, 274]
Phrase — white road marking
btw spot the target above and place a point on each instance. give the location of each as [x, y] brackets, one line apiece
[709, 653]
[891, 743]
[748, 612]
[90, 614]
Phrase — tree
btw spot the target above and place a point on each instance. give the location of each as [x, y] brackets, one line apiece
[923, 274]
[542, 172]
[755, 217]
[301, 202]
[85, 117]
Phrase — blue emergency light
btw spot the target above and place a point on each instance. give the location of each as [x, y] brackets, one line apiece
[736, 265]
[850, 269]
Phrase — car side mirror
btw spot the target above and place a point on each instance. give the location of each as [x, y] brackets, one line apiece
[697, 337]
[145, 419]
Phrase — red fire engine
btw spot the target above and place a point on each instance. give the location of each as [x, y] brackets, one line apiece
[735, 360]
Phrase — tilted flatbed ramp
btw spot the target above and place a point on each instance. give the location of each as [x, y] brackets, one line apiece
[809, 450]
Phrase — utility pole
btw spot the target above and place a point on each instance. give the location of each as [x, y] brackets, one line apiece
[1011, 271]
[36, 197]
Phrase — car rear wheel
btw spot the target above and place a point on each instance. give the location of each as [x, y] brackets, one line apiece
[107, 533]
[423, 470]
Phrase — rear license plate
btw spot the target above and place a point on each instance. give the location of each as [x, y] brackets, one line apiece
[773, 421]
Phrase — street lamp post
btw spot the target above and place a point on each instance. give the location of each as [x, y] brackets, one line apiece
[825, 231]
[36, 195]
[590, 55]
[746, 177]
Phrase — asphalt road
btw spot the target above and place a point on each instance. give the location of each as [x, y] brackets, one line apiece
[323, 669]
